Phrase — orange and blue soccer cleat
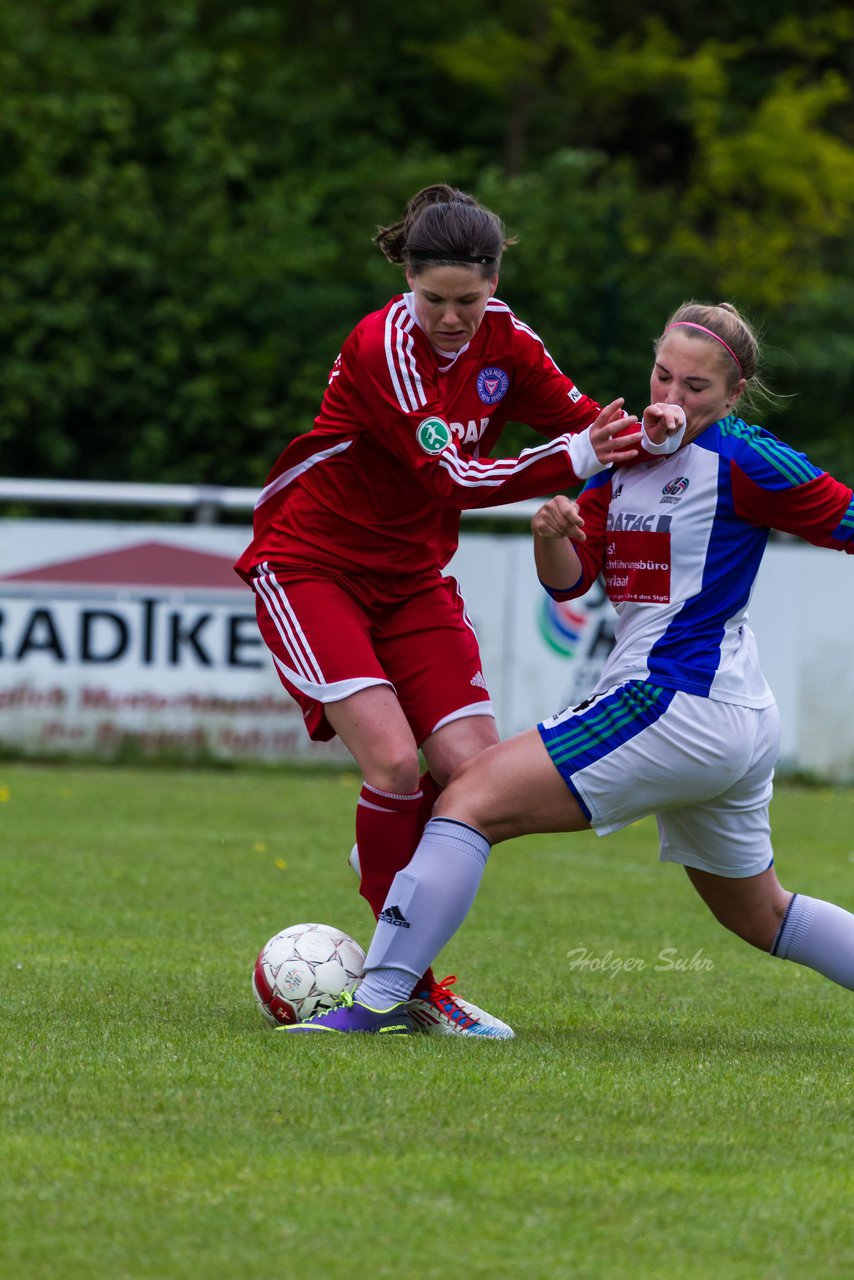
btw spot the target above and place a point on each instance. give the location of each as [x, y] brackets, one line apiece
[439, 1011]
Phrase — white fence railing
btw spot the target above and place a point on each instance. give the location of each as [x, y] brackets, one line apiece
[205, 500]
[116, 631]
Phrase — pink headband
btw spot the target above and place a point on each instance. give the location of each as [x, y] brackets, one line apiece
[689, 324]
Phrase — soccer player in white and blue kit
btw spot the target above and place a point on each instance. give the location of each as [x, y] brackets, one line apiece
[682, 723]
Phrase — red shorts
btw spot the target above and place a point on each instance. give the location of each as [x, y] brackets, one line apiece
[330, 638]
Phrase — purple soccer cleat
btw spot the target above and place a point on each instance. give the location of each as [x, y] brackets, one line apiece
[348, 1014]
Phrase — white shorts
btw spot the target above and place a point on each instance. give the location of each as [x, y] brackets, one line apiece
[704, 768]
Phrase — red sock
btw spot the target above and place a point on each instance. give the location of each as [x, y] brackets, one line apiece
[388, 828]
[387, 831]
[431, 792]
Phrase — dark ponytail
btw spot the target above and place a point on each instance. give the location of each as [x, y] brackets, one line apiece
[442, 226]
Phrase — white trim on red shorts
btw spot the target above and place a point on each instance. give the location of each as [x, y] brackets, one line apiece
[294, 640]
[334, 692]
[473, 709]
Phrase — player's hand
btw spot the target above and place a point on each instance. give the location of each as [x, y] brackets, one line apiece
[559, 518]
[663, 420]
[611, 436]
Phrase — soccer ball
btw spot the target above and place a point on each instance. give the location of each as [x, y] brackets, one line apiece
[303, 969]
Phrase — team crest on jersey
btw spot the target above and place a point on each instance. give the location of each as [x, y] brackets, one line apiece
[492, 385]
[674, 489]
[433, 435]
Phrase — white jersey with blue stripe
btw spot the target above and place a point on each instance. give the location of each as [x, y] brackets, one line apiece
[679, 542]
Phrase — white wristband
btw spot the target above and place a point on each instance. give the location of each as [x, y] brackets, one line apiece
[669, 444]
[582, 455]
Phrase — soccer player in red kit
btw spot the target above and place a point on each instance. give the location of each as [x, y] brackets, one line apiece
[360, 515]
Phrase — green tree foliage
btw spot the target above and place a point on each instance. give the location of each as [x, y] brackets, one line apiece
[189, 191]
[713, 157]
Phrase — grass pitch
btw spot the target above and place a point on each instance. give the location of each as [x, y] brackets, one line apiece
[675, 1104]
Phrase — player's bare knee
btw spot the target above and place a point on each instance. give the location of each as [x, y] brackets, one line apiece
[463, 801]
[773, 919]
[759, 927]
[755, 933]
[397, 772]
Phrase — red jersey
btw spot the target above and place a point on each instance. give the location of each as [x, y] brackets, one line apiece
[401, 446]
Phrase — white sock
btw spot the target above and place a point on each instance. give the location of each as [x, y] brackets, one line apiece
[426, 904]
[819, 935]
